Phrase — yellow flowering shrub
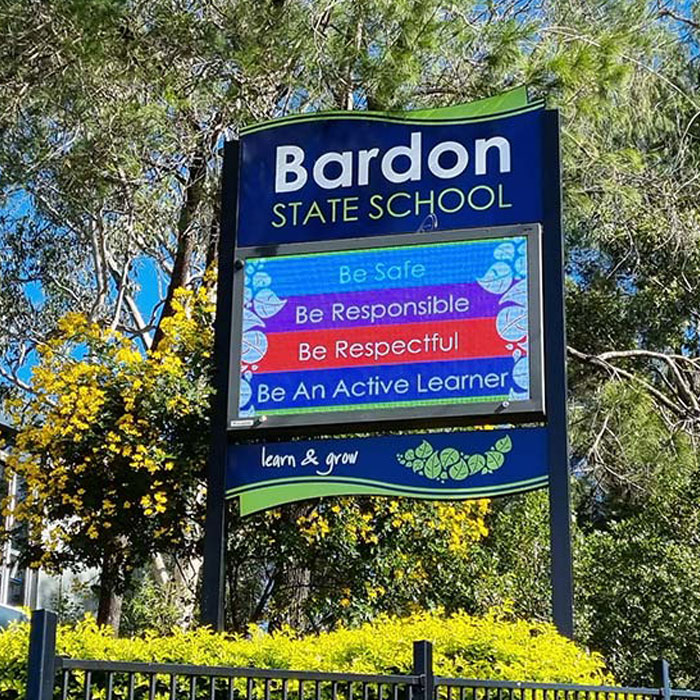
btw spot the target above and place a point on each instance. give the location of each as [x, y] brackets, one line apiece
[111, 443]
[347, 559]
[490, 647]
[462, 523]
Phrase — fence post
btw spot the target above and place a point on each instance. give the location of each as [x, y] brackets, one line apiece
[662, 678]
[423, 667]
[42, 656]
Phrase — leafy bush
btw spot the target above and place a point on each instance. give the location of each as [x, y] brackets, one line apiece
[487, 648]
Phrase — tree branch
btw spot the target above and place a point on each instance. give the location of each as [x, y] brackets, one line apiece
[597, 361]
[679, 18]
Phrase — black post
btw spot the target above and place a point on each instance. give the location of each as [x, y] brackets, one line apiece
[662, 678]
[555, 383]
[423, 667]
[41, 671]
[212, 597]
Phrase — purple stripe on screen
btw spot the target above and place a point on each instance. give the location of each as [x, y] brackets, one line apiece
[383, 307]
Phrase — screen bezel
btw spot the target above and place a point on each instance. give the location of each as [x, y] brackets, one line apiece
[432, 415]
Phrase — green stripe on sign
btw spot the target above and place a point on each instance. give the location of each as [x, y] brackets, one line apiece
[271, 496]
[418, 490]
[388, 404]
[457, 114]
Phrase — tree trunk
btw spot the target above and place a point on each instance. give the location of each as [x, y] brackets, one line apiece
[109, 609]
[298, 581]
[194, 192]
[294, 578]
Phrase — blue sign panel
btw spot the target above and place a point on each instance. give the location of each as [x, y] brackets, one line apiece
[455, 465]
[388, 269]
[360, 175]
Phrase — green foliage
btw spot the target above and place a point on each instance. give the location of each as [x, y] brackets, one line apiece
[315, 564]
[513, 563]
[640, 596]
[632, 456]
[156, 606]
[71, 602]
[491, 647]
[636, 545]
[639, 555]
[111, 445]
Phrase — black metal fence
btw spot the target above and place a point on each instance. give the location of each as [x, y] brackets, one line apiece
[52, 677]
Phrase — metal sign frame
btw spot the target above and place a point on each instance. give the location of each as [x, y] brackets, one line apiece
[531, 409]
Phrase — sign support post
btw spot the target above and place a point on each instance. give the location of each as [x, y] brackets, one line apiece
[555, 383]
[212, 609]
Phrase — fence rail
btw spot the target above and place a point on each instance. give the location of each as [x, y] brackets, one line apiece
[118, 679]
[51, 677]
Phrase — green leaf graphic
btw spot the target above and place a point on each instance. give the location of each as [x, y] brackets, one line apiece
[449, 456]
[494, 460]
[450, 463]
[424, 450]
[433, 467]
[459, 471]
[476, 463]
[505, 444]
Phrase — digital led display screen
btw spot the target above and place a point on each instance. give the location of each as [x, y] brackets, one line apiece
[442, 325]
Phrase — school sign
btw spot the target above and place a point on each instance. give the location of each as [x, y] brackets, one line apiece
[398, 276]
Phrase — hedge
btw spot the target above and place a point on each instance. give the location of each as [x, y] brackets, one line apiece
[489, 647]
